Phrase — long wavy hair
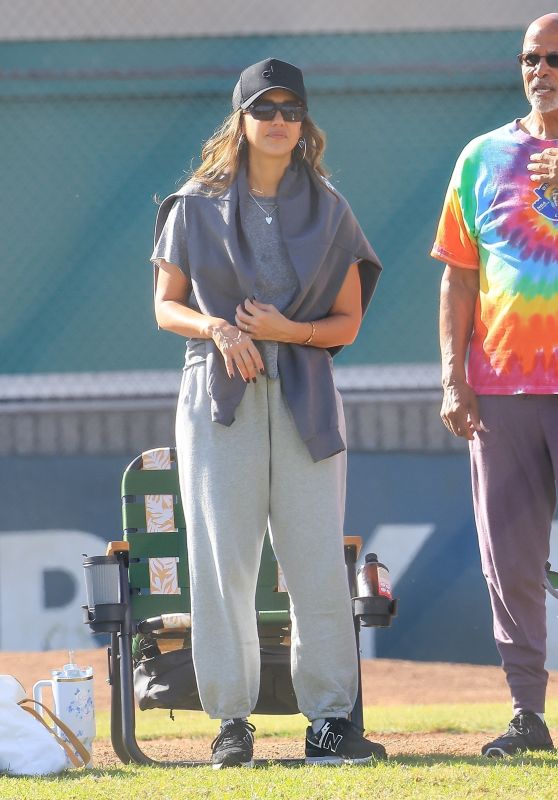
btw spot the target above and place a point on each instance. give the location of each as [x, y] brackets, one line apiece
[223, 152]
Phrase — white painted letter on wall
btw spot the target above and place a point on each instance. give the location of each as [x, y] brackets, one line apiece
[42, 589]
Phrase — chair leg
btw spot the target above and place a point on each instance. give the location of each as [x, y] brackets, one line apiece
[357, 715]
[121, 679]
[127, 700]
[350, 564]
[136, 754]
[116, 734]
[125, 673]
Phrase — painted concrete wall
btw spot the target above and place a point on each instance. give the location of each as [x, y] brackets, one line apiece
[92, 130]
[64, 19]
[413, 510]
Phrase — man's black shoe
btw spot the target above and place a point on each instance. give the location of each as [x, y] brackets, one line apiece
[234, 746]
[340, 742]
[526, 731]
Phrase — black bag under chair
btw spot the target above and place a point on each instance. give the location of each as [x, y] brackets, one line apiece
[139, 593]
[167, 680]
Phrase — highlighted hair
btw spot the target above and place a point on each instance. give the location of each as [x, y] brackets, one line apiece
[223, 152]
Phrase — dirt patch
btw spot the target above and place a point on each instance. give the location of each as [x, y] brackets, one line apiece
[397, 745]
[385, 682]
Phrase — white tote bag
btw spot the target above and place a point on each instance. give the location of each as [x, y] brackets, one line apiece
[28, 746]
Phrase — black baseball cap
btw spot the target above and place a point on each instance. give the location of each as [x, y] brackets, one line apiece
[266, 75]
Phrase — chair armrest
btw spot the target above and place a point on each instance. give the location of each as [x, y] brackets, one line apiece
[353, 541]
[117, 547]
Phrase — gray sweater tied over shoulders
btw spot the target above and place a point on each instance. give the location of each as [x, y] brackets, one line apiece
[323, 238]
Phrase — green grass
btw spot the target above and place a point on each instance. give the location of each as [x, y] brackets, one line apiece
[454, 718]
[450, 718]
[416, 778]
[419, 777]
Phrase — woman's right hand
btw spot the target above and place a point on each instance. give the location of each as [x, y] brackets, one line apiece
[238, 350]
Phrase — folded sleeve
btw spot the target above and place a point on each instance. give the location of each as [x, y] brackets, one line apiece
[455, 241]
[171, 245]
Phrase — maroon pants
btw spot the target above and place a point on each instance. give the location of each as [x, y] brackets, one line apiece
[514, 469]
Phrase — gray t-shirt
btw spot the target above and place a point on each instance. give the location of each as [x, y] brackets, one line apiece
[276, 280]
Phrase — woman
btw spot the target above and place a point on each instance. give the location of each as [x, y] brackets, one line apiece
[263, 268]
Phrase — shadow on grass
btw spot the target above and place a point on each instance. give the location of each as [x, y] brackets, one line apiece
[131, 771]
[428, 760]
[451, 759]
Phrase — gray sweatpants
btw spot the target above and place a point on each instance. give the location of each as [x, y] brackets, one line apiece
[234, 482]
[514, 470]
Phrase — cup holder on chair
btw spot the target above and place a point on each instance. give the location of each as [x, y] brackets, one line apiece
[375, 612]
[104, 611]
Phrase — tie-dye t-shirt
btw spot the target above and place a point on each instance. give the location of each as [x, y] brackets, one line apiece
[497, 220]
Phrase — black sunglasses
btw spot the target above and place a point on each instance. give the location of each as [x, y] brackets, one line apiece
[532, 59]
[265, 111]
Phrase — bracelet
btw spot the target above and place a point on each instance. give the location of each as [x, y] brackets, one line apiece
[233, 339]
[311, 335]
[228, 339]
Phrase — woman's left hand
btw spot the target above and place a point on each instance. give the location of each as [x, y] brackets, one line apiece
[262, 321]
[544, 166]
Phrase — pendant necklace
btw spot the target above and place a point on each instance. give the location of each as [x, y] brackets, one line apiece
[267, 211]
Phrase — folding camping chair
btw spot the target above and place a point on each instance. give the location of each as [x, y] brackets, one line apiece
[150, 651]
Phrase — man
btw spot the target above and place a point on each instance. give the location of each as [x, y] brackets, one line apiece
[499, 304]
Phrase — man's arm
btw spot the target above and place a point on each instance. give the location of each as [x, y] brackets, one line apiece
[458, 295]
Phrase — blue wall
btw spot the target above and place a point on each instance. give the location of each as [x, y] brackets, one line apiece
[444, 612]
[444, 607]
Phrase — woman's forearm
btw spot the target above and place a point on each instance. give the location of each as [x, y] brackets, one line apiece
[342, 324]
[176, 317]
[336, 329]
[331, 331]
[173, 315]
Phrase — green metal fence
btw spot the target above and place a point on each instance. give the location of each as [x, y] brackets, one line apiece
[91, 130]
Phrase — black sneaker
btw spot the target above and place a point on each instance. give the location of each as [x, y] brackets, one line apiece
[340, 742]
[234, 746]
[526, 731]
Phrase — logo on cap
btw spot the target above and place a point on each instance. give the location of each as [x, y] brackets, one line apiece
[268, 72]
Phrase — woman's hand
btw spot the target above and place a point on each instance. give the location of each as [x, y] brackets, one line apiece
[340, 326]
[238, 350]
[264, 321]
[544, 166]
